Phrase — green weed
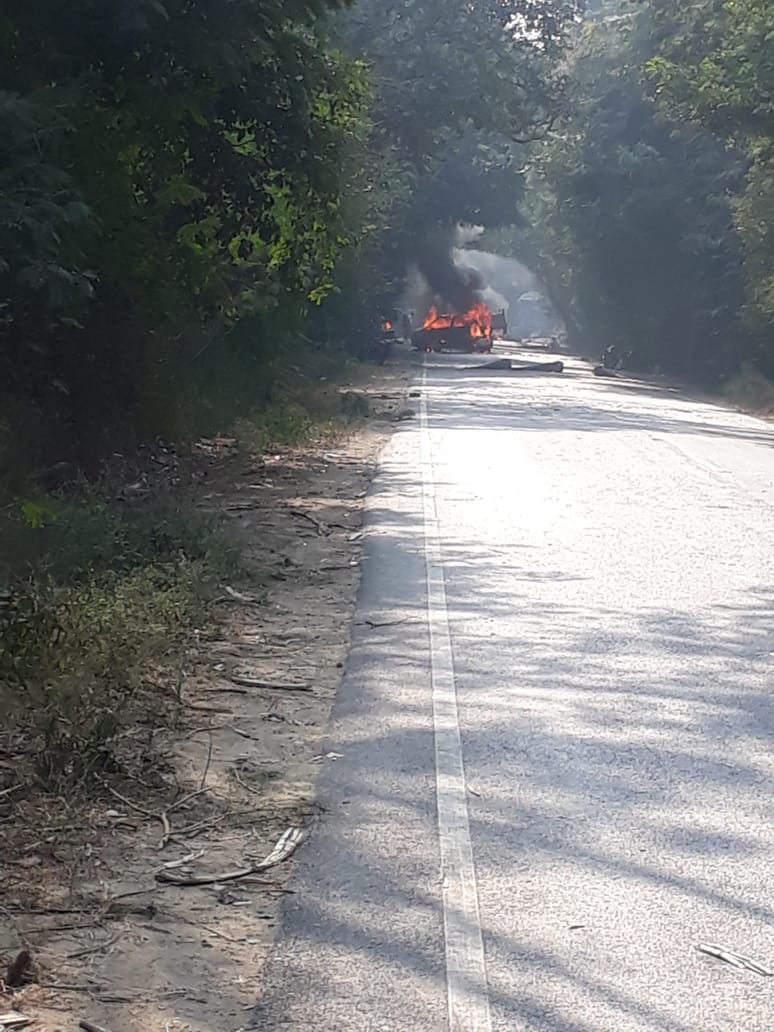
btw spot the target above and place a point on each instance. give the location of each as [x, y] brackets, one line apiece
[95, 591]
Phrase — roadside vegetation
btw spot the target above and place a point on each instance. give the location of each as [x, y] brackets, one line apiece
[648, 208]
[101, 593]
[106, 580]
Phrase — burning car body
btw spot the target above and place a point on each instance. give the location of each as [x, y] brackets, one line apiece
[470, 331]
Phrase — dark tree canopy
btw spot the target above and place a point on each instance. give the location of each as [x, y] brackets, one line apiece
[648, 204]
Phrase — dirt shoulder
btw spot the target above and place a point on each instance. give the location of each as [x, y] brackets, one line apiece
[100, 894]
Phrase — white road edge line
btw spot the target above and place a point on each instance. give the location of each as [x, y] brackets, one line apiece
[465, 960]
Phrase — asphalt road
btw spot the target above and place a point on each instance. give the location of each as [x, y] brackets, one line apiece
[607, 591]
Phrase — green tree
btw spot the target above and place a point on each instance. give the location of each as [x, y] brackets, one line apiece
[166, 169]
[715, 68]
[630, 215]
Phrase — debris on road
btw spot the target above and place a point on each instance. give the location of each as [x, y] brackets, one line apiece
[286, 846]
[735, 959]
[403, 414]
[517, 367]
[317, 524]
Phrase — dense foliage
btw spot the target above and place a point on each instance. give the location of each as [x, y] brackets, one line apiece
[715, 68]
[649, 206]
[166, 170]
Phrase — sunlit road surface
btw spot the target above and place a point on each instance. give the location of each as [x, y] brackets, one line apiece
[609, 588]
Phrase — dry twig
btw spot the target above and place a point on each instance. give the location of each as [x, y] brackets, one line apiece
[286, 845]
[96, 948]
[249, 682]
[319, 526]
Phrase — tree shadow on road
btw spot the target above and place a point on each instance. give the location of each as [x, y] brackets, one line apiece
[622, 771]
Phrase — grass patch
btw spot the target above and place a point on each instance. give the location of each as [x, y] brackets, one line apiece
[305, 407]
[96, 591]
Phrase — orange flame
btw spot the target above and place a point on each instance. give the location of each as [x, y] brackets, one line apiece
[478, 319]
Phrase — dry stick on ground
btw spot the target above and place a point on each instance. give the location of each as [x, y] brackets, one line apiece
[14, 1019]
[185, 882]
[204, 731]
[321, 529]
[88, 1026]
[170, 864]
[286, 845]
[237, 596]
[249, 682]
[186, 798]
[209, 709]
[134, 806]
[44, 911]
[210, 822]
[213, 931]
[65, 987]
[206, 824]
[242, 734]
[163, 816]
[164, 840]
[96, 948]
[231, 727]
[245, 786]
[738, 960]
[49, 929]
[100, 993]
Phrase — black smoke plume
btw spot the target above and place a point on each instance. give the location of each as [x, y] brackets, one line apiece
[458, 287]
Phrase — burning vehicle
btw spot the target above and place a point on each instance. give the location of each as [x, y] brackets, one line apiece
[468, 332]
